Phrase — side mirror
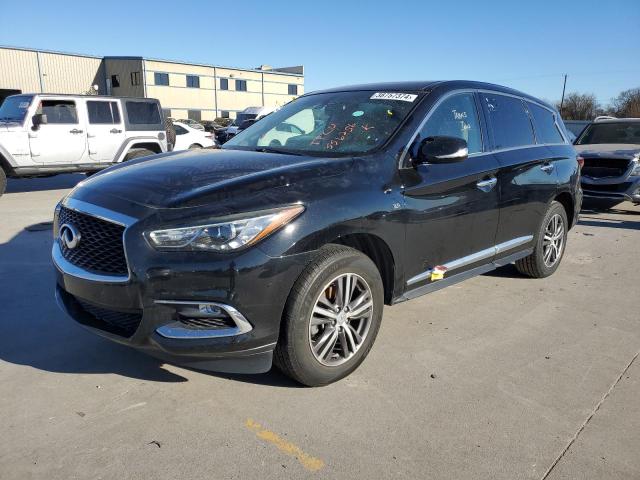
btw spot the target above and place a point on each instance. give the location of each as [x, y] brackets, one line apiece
[441, 149]
[39, 119]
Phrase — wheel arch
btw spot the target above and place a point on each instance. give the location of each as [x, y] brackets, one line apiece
[566, 200]
[146, 143]
[380, 254]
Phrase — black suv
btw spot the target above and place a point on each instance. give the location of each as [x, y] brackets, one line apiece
[286, 244]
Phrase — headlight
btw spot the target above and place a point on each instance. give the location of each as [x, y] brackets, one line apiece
[636, 169]
[225, 236]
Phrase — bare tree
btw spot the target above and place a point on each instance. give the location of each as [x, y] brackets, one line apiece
[579, 106]
[627, 104]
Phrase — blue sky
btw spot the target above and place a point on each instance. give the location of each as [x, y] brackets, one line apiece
[527, 45]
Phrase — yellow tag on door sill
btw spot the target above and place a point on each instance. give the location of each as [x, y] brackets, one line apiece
[438, 272]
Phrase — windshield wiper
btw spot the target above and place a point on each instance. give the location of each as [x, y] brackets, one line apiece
[277, 150]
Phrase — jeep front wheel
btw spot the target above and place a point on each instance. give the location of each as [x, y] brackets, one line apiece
[331, 318]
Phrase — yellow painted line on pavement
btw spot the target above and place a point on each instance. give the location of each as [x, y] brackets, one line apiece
[307, 461]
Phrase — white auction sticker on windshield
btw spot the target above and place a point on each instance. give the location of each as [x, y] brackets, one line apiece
[405, 97]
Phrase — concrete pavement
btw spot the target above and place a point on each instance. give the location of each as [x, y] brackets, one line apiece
[499, 377]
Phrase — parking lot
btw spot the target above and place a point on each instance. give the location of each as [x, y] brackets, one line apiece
[509, 378]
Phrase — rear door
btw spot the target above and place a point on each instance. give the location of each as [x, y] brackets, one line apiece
[527, 179]
[452, 208]
[105, 129]
[63, 139]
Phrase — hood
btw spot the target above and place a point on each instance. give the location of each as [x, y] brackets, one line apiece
[197, 177]
[9, 126]
[609, 150]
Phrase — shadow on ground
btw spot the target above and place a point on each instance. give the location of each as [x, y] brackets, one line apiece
[57, 182]
[35, 333]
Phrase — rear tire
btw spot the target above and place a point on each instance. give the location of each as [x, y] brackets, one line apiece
[316, 309]
[138, 153]
[3, 181]
[551, 241]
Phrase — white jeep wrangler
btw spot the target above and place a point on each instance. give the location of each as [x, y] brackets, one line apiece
[43, 134]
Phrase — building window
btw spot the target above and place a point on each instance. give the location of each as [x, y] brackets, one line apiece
[166, 112]
[195, 115]
[224, 114]
[241, 85]
[193, 81]
[224, 85]
[161, 79]
[293, 89]
[115, 81]
[135, 78]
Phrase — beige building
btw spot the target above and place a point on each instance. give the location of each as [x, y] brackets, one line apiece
[185, 90]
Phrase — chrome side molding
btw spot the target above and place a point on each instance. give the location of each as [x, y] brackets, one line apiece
[475, 257]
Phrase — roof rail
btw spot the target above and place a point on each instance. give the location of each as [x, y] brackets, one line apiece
[604, 117]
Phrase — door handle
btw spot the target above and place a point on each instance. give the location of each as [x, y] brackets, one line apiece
[487, 185]
[115, 130]
[547, 168]
[75, 131]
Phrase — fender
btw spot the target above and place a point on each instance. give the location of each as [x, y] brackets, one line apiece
[129, 142]
[7, 162]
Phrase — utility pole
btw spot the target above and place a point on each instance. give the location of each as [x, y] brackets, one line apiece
[563, 89]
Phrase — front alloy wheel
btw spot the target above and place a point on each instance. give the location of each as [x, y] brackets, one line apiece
[331, 317]
[340, 319]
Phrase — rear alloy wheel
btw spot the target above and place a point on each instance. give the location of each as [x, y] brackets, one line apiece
[331, 318]
[550, 244]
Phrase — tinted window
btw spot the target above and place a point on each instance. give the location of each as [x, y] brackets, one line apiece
[615, 132]
[457, 116]
[241, 85]
[293, 89]
[143, 113]
[161, 78]
[193, 81]
[180, 130]
[510, 122]
[103, 112]
[224, 84]
[59, 111]
[545, 123]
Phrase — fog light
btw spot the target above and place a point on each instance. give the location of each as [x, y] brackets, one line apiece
[208, 309]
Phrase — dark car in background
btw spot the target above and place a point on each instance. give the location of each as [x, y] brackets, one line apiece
[230, 259]
[611, 151]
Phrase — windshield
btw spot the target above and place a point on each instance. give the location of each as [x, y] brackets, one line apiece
[611, 132]
[14, 109]
[241, 117]
[330, 124]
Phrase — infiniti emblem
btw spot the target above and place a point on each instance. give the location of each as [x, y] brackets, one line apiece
[69, 236]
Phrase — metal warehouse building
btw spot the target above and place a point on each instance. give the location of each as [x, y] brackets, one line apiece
[185, 90]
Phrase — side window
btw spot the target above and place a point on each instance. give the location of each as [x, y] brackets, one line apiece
[180, 130]
[103, 113]
[59, 111]
[510, 123]
[457, 116]
[545, 123]
[143, 113]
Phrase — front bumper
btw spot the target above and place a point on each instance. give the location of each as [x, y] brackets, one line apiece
[146, 309]
[612, 188]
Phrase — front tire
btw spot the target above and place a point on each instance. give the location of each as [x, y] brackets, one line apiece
[3, 181]
[331, 318]
[551, 241]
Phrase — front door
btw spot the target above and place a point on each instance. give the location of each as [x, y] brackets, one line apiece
[105, 130]
[63, 139]
[452, 208]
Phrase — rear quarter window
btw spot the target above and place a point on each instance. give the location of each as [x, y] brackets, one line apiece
[510, 123]
[545, 123]
[143, 113]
